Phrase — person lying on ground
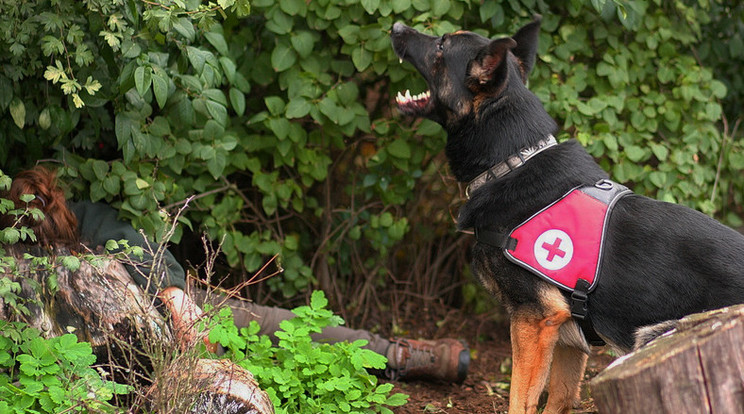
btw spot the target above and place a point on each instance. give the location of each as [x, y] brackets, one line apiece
[94, 224]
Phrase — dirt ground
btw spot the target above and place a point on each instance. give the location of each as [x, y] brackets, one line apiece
[485, 390]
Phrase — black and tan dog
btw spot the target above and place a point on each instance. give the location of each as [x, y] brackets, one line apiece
[659, 261]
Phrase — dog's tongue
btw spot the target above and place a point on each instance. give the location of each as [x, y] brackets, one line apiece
[412, 103]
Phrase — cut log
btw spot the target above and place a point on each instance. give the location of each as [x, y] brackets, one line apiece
[103, 305]
[698, 367]
[233, 390]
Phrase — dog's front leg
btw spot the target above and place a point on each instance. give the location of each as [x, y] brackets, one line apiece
[565, 379]
[533, 336]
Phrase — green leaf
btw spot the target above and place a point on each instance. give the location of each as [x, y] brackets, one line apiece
[197, 58]
[142, 79]
[45, 119]
[371, 6]
[18, 112]
[274, 104]
[318, 300]
[635, 153]
[185, 28]
[130, 49]
[329, 108]
[100, 168]
[280, 23]
[228, 67]
[292, 7]
[283, 57]
[400, 149]
[112, 185]
[487, 10]
[303, 43]
[718, 89]
[218, 41]
[361, 58]
[349, 33]
[237, 100]
[218, 112]
[160, 86]
[72, 263]
[216, 164]
[159, 127]
[660, 151]
[280, 127]
[298, 108]
[440, 7]
[215, 95]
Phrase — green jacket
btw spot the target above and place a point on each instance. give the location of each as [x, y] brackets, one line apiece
[99, 223]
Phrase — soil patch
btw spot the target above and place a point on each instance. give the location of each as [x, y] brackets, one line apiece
[486, 389]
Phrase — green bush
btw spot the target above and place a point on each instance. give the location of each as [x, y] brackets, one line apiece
[50, 375]
[273, 121]
[302, 376]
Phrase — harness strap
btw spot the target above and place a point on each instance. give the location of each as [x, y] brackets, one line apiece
[579, 310]
[495, 238]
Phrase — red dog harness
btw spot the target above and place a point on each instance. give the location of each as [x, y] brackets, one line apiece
[562, 243]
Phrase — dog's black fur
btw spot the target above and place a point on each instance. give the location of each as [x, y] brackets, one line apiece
[662, 261]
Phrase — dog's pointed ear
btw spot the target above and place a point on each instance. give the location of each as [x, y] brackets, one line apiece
[526, 48]
[492, 61]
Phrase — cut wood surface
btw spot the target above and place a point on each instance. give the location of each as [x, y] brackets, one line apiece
[696, 368]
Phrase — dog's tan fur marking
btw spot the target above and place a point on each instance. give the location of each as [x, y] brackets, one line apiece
[565, 379]
[534, 335]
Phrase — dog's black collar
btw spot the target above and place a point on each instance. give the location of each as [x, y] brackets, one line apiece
[512, 163]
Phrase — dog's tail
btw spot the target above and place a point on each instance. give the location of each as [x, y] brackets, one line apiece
[648, 333]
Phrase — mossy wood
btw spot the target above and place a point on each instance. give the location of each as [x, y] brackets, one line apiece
[101, 304]
[696, 368]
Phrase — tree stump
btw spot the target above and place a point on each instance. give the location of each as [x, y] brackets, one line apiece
[698, 367]
[98, 303]
[101, 304]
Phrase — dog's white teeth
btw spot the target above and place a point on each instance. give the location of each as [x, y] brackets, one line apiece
[406, 98]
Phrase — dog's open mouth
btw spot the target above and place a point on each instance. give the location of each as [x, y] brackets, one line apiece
[413, 105]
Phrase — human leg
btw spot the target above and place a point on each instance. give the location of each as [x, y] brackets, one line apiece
[269, 318]
[443, 359]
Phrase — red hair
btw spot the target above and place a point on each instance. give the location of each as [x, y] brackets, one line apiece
[59, 224]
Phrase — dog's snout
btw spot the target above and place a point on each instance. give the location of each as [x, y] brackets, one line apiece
[398, 37]
[399, 28]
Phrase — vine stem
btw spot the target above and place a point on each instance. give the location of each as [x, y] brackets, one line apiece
[719, 167]
[198, 196]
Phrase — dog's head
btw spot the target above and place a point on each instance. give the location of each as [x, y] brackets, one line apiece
[463, 70]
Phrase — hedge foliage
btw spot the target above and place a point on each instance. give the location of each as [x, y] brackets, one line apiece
[272, 121]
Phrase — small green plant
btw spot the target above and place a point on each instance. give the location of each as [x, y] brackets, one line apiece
[39, 375]
[302, 376]
[53, 375]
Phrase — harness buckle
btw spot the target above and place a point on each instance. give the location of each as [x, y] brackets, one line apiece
[579, 299]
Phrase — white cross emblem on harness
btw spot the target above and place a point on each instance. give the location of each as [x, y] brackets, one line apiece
[553, 249]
